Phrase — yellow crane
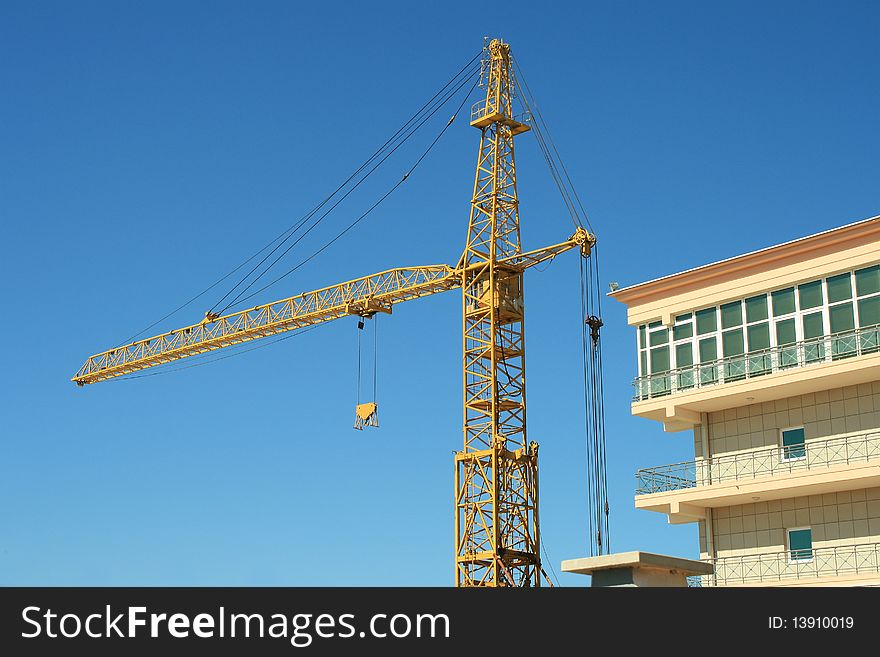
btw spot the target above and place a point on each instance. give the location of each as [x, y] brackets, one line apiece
[496, 472]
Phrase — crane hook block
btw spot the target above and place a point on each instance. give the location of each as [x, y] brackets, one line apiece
[366, 415]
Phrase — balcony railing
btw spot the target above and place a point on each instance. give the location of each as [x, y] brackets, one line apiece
[772, 567]
[758, 363]
[811, 455]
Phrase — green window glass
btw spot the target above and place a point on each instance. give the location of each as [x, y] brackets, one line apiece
[684, 355]
[706, 321]
[654, 325]
[793, 444]
[732, 343]
[868, 280]
[732, 346]
[869, 315]
[813, 349]
[785, 335]
[684, 359]
[684, 318]
[800, 544]
[708, 350]
[708, 354]
[785, 332]
[643, 336]
[813, 326]
[842, 323]
[643, 362]
[682, 331]
[658, 337]
[659, 360]
[731, 315]
[869, 311]
[759, 336]
[841, 318]
[839, 288]
[810, 295]
[783, 301]
[756, 308]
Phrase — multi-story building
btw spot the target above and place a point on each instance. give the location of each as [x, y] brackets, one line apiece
[772, 360]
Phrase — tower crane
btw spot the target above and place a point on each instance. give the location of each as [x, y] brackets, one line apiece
[496, 471]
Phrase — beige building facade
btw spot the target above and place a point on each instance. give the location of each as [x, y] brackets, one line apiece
[772, 361]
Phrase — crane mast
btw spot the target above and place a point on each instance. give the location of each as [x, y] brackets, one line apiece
[497, 539]
[496, 474]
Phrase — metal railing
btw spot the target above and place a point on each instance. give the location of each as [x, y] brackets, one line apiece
[863, 558]
[758, 363]
[481, 109]
[812, 454]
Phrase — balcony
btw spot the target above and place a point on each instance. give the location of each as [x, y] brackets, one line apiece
[677, 397]
[685, 490]
[857, 564]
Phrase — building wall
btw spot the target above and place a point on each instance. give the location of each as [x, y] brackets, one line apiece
[825, 414]
[836, 519]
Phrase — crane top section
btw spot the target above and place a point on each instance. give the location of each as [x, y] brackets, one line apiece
[497, 106]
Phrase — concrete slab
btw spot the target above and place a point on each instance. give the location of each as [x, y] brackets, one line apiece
[637, 569]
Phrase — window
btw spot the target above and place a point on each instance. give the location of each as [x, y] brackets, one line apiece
[706, 321]
[810, 295]
[794, 446]
[800, 544]
[821, 320]
[783, 302]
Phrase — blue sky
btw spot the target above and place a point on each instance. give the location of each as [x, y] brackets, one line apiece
[147, 148]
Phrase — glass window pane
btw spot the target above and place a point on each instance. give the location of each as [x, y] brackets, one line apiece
[654, 325]
[841, 318]
[732, 343]
[659, 360]
[800, 543]
[783, 302]
[643, 362]
[813, 326]
[814, 349]
[810, 295]
[756, 308]
[708, 350]
[658, 337]
[684, 355]
[793, 437]
[706, 321]
[759, 336]
[643, 336]
[731, 315]
[869, 311]
[682, 331]
[683, 318]
[868, 280]
[785, 332]
[839, 288]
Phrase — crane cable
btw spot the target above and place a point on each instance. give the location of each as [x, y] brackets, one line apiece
[591, 323]
[594, 407]
[547, 145]
[437, 106]
[372, 207]
[284, 234]
[360, 325]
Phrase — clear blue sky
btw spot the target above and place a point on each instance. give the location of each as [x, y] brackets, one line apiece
[146, 148]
